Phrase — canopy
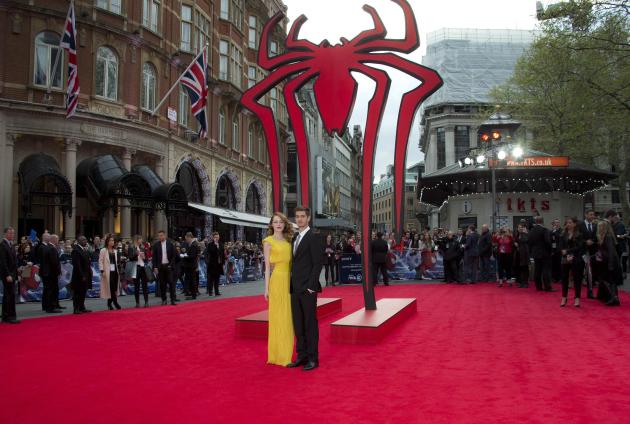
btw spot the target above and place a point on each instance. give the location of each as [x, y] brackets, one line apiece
[228, 216]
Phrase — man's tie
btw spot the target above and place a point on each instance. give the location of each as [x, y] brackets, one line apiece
[297, 242]
[590, 229]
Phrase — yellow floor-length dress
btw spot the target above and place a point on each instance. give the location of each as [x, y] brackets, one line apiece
[281, 336]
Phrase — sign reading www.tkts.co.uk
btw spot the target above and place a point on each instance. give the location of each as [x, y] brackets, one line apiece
[534, 162]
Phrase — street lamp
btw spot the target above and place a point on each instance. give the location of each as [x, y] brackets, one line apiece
[517, 152]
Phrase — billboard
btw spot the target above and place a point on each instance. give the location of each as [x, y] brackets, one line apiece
[328, 196]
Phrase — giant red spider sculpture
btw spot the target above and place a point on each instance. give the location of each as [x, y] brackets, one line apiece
[335, 92]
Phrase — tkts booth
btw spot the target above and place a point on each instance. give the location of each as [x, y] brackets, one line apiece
[533, 184]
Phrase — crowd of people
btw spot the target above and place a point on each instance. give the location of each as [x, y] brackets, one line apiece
[592, 252]
[119, 263]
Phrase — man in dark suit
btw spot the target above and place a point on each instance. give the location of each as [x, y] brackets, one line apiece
[588, 229]
[8, 273]
[190, 265]
[556, 254]
[540, 249]
[380, 248]
[81, 275]
[215, 259]
[163, 261]
[485, 253]
[49, 271]
[451, 254]
[471, 255]
[305, 271]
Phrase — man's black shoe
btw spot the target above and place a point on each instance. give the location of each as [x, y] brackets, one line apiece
[54, 311]
[218, 294]
[297, 363]
[310, 366]
[60, 307]
[85, 311]
[77, 312]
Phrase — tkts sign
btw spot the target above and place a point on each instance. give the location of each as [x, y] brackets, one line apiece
[533, 162]
[522, 205]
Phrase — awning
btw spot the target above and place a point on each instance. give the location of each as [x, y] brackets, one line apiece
[231, 217]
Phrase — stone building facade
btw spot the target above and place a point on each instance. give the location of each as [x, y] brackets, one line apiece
[114, 151]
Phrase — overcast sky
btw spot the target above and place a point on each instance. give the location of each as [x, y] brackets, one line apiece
[332, 19]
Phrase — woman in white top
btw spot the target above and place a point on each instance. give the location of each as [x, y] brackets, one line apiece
[108, 262]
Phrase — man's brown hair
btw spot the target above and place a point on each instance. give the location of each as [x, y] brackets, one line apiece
[304, 209]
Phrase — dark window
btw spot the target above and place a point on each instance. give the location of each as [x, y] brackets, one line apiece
[615, 196]
[441, 148]
[462, 141]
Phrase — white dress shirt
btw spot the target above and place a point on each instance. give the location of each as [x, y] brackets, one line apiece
[300, 236]
[164, 254]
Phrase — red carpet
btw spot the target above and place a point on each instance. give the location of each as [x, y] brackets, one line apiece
[475, 354]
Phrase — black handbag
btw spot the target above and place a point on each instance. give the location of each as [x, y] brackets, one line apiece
[150, 274]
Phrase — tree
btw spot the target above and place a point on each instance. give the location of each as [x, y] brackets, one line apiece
[572, 87]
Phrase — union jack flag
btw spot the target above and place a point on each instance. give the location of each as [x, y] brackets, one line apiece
[69, 43]
[196, 84]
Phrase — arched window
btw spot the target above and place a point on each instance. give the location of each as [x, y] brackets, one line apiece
[222, 126]
[148, 87]
[46, 51]
[106, 73]
[251, 151]
[262, 148]
[235, 134]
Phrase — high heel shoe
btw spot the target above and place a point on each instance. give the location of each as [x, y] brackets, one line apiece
[117, 305]
[577, 302]
[563, 302]
[109, 305]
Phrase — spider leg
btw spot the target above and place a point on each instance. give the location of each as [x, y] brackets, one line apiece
[270, 63]
[431, 81]
[376, 108]
[378, 31]
[293, 43]
[265, 114]
[301, 141]
[405, 45]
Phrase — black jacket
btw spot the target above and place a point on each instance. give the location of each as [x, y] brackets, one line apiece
[8, 261]
[451, 249]
[539, 242]
[192, 255]
[589, 235]
[157, 254]
[379, 251]
[485, 245]
[574, 246]
[555, 236]
[215, 258]
[472, 245]
[50, 266]
[307, 264]
[81, 268]
[522, 254]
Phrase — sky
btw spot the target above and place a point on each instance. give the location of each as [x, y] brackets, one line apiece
[332, 19]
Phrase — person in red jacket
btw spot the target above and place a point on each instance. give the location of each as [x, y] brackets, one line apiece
[505, 243]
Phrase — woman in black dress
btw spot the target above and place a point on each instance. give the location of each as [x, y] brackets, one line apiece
[572, 248]
[329, 260]
[521, 259]
[608, 264]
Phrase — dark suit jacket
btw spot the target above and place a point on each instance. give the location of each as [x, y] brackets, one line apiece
[81, 268]
[589, 235]
[555, 236]
[451, 249]
[472, 245]
[8, 261]
[215, 258]
[307, 264]
[157, 254]
[539, 242]
[51, 265]
[485, 245]
[192, 260]
[379, 251]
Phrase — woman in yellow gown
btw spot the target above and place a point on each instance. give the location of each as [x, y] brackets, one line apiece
[277, 248]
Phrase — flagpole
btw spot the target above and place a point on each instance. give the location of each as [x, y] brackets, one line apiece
[59, 54]
[178, 80]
